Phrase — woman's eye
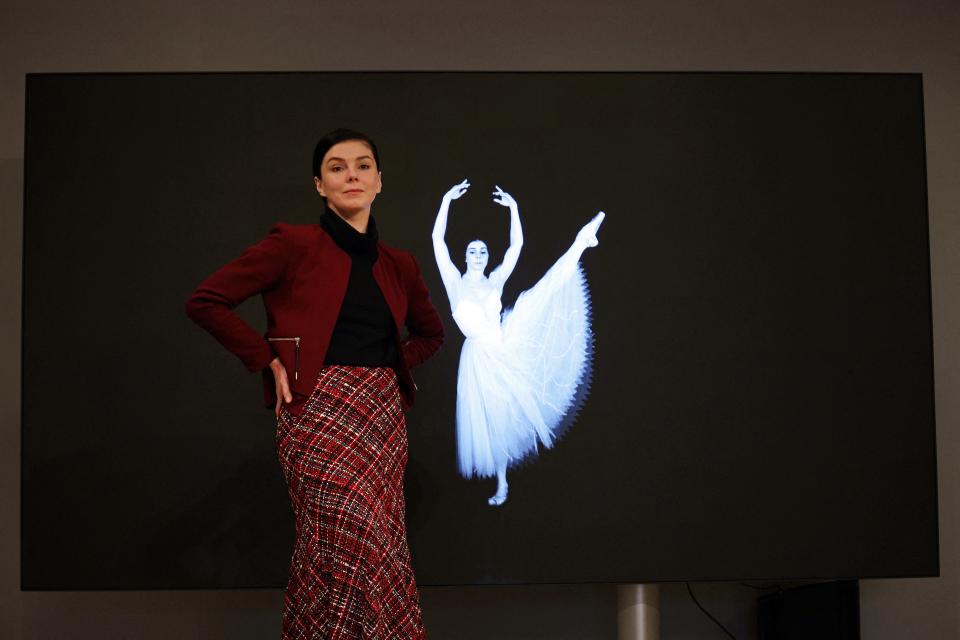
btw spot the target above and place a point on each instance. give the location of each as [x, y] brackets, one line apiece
[364, 166]
[335, 169]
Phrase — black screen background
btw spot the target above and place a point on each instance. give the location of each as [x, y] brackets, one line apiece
[761, 403]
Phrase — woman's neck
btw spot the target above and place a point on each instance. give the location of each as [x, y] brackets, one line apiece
[359, 220]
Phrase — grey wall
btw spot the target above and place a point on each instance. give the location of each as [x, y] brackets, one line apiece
[811, 35]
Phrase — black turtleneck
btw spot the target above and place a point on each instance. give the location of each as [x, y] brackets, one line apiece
[365, 334]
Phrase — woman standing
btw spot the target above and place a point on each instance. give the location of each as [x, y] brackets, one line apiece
[337, 374]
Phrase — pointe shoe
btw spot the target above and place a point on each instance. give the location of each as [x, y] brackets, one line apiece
[588, 234]
[497, 499]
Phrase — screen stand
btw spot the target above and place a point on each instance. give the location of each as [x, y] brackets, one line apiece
[638, 612]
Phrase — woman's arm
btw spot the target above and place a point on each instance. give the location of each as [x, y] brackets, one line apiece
[499, 275]
[260, 267]
[448, 272]
[423, 322]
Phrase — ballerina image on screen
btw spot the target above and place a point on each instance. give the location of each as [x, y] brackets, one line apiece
[519, 374]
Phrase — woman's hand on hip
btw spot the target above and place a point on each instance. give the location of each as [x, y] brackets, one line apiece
[283, 385]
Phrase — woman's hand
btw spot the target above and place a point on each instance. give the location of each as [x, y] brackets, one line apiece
[283, 386]
[501, 197]
[457, 191]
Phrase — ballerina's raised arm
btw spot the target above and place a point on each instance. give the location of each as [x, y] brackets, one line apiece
[499, 275]
[448, 271]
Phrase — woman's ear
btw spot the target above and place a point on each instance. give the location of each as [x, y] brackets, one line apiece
[379, 181]
[319, 185]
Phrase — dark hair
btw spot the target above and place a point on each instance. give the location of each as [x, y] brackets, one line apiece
[336, 137]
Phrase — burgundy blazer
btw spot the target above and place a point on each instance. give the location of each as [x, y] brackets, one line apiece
[302, 275]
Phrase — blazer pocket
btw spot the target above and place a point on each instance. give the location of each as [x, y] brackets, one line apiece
[295, 340]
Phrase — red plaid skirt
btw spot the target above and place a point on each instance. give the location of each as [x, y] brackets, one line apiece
[343, 458]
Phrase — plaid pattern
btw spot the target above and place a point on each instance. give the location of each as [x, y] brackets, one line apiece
[343, 459]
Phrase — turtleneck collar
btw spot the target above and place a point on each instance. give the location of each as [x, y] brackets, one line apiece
[349, 239]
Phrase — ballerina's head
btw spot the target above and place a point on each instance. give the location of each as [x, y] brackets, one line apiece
[477, 256]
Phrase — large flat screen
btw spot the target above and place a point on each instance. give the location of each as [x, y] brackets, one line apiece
[741, 366]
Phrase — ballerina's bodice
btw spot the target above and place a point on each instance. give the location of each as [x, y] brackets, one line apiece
[478, 312]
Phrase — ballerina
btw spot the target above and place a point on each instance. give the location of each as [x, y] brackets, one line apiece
[518, 376]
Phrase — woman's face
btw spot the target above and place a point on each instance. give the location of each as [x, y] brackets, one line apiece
[349, 178]
[477, 256]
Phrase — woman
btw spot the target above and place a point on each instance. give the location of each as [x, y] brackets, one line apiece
[337, 375]
[519, 377]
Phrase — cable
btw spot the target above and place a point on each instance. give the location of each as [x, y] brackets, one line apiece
[707, 613]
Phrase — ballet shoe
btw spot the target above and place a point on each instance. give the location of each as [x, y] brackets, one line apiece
[588, 235]
[499, 498]
[496, 500]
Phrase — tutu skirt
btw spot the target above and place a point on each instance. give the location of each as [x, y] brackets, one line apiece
[518, 387]
[343, 459]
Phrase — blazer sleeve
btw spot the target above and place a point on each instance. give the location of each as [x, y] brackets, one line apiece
[260, 267]
[423, 322]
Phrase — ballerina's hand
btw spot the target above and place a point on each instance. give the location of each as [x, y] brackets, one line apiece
[503, 198]
[588, 234]
[457, 190]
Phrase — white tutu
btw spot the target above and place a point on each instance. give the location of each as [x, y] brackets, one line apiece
[519, 378]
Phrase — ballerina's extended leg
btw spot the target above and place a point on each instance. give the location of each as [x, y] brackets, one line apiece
[559, 273]
[500, 496]
[566, 264]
